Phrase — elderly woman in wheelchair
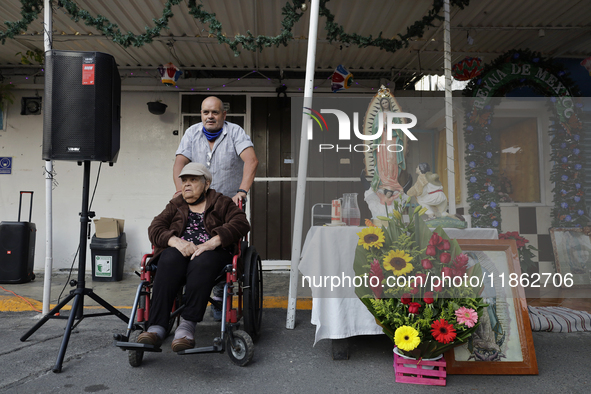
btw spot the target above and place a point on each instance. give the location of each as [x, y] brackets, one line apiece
[194, 238]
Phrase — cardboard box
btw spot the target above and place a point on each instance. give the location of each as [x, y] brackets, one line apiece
[108, 227]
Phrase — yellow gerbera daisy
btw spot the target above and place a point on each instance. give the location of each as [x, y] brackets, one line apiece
[406, 338]
[398, 262]
[371, 237]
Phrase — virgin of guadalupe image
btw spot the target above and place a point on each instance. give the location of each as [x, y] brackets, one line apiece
[385, 159]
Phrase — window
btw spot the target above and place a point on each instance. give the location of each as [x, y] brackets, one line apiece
[519, 165]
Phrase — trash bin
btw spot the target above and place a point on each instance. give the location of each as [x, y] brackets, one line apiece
[108, 257]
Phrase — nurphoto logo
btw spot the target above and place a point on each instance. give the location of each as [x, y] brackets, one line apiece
[393, 121]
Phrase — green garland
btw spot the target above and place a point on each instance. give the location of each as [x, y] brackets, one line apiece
[336, 32]
[565, 130]
[291, 15]
[30, 11]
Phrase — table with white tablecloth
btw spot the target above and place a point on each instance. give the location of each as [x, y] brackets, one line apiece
[329, 251]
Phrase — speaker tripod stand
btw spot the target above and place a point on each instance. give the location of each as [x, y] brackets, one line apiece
[77, 311]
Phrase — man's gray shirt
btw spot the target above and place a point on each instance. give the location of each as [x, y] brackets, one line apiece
[223, 160]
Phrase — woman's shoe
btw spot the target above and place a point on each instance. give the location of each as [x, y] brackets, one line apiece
[149, 338]
[182, 344]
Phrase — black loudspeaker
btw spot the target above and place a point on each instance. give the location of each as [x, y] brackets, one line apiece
[17, 251]
[82, 110]
[17, 248]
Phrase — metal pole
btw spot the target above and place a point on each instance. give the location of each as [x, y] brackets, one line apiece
[449, 123]
[47, 35]
[302, 167]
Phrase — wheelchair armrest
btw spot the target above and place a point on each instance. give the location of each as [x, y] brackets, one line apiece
[144, 264]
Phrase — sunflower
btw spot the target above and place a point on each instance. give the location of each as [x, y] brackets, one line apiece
[398, 262]
[406, 338]
[443, 331]
[371, 237]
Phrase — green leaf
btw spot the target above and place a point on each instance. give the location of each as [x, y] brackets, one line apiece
[358, 266]
[423, 233]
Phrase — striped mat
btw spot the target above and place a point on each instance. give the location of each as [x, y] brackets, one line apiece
[558, 319]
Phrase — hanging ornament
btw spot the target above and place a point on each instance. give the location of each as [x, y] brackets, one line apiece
[341, 79]
[169, 74]
[467, 68]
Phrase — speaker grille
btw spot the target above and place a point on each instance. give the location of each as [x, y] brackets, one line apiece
[81, 121]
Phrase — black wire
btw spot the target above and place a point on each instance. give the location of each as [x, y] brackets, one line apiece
[78, 250]
[98, 174]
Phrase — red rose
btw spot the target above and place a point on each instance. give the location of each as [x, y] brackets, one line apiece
[431, 251]
[446, 245]
[445, 258]
[406, 298]
[414, 290]
[428, 297]
[435, 240]
[461, 259]
[447, 271]
[426, 263]
[414, 307]
[459, 265]
[438, 288]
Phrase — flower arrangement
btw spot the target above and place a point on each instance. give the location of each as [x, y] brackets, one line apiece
[418, 284]
[525, 252]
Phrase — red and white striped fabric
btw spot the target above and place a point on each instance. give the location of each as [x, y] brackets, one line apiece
[558, 319]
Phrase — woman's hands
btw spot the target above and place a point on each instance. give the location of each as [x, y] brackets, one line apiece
[209, 245]
[190, 249]
[185, 247]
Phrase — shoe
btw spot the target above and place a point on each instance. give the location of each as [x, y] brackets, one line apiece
[149, 338]
[216, 313]
[182, 344]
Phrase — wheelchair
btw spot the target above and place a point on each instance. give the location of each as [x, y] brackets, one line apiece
[243, 281]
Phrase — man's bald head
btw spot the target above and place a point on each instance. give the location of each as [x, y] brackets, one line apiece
[213, 114]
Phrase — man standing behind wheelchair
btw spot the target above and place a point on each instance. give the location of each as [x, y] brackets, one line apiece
[194, 239]
[227, 151]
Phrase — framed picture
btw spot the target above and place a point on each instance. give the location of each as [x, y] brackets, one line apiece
[572, 254]
[503, 342]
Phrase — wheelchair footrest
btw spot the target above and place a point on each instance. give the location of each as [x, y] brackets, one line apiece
[137, 346]
[205, 349]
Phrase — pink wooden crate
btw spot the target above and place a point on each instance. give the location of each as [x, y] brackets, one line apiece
[419, 375]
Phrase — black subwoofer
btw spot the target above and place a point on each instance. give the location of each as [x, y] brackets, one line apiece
[82, 107]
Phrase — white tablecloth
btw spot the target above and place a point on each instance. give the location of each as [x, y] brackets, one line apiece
[330, 251]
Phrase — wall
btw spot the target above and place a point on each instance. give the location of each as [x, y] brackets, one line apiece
[135, 189]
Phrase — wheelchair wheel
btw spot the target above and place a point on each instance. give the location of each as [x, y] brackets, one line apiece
[253, 293]
[242, 354]
[135, 356]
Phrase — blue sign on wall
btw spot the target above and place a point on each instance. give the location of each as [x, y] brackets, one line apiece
[5, 165]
